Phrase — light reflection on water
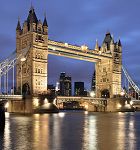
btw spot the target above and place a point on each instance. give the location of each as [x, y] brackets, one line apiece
[72, 131]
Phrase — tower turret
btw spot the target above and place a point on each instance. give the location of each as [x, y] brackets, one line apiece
[25, 27]
[39, 27]
[97, 45]
[112, 45]
[107, 40]
[45, 25]
[18, 28]
[119, 43]
[32, 20]
[34, 72]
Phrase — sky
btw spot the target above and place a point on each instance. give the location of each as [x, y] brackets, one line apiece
[77, 22]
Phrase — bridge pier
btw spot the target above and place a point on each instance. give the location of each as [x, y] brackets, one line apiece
[32, 104]
[21, 106]
[120, 104]
[96, 108]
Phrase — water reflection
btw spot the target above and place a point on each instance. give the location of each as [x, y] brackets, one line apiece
[7, 133]
[40, 132]
[72, 131]
[90, 133]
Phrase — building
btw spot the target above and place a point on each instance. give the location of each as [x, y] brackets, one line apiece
[108, 71]
[79, 88]
[31, 72]
[51, 87]
[65, 85]
[93, 82]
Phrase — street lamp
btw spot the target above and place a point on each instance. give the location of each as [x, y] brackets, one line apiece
[22, 60]
[122, 93]
[92, 93]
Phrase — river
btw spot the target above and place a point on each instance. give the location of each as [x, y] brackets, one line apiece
[73, 130]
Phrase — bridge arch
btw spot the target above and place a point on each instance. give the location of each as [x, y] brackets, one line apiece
[105, 93]
[26, 89]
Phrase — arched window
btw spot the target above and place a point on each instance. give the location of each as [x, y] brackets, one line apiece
[41, 70]
[41, 83]
[38, 56]
[35, 70]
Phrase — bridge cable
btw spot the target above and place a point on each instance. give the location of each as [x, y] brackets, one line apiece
[130, 81]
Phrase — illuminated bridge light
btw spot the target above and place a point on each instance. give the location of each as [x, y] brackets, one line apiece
[66, 44]
[84, 47]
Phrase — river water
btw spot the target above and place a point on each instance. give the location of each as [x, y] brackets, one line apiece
[72, 131]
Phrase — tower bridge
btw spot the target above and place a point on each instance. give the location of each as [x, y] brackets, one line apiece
[31, 60]
[107, 58]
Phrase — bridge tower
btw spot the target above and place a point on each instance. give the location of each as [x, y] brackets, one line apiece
[108, 71]
[31, 74]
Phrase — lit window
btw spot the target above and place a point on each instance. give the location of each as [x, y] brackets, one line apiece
[104, 69]
[35, 70]
[39, 56]
[41, 70]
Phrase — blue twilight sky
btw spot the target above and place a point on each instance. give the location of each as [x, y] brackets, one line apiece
[77, 22]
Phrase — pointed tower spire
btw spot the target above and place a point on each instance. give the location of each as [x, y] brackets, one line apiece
[18, 25]
[31, 6]
[96, 45]
[112, 40]
[45, 21]
[32, 18]
[119, 42]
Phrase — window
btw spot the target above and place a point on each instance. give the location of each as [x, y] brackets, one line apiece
[104, 79]
[36, 81]
[41, 70]
[35, 70]
[38, 56]
[104, 69]
[39, 29]
[39, 37]
[24, 70]
[41, 82]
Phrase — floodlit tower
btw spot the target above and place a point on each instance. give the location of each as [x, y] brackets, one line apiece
[108, 71]
[34, 35]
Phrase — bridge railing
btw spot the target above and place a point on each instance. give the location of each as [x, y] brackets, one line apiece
[10, 96]
[95, 101]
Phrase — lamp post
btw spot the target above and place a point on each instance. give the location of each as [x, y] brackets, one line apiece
[92, 93]
[22, 60]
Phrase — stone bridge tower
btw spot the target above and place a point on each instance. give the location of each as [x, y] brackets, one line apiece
[32, 73]
[108, 71]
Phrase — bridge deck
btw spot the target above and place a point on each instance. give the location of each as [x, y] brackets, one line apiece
[76, 52]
